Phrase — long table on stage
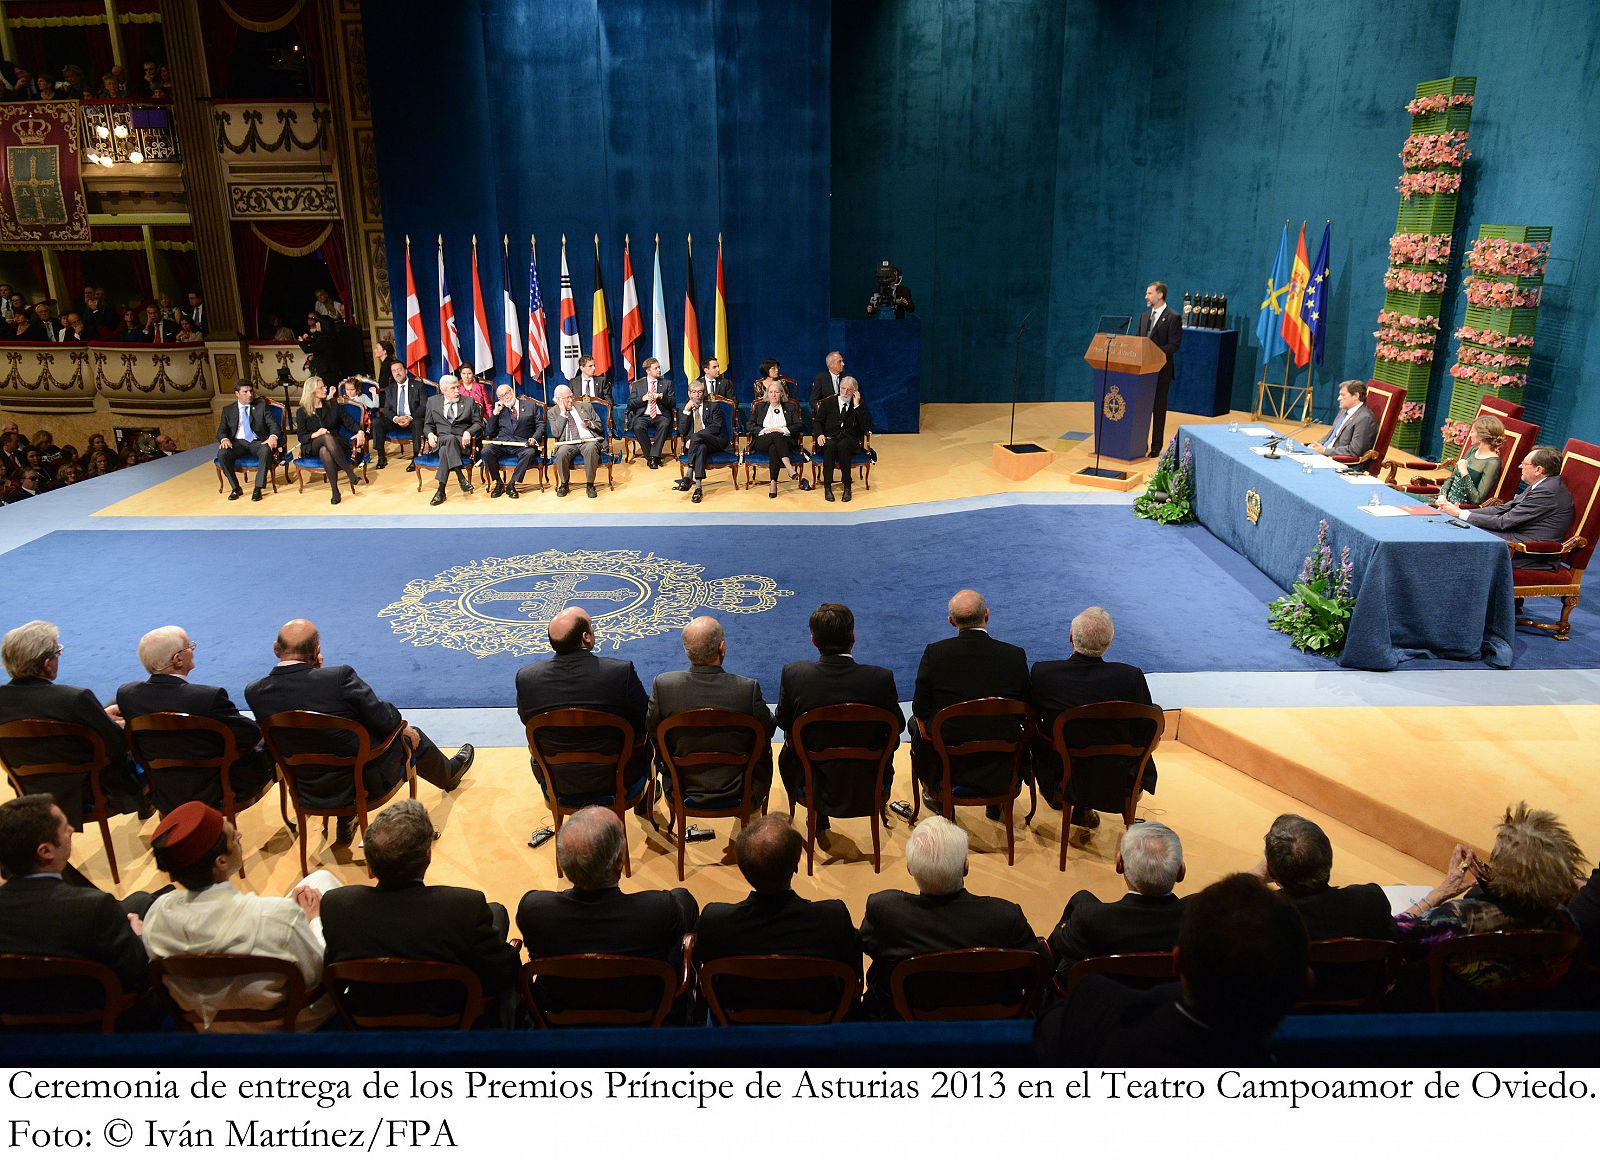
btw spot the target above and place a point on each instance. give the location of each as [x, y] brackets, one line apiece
[1423, 588]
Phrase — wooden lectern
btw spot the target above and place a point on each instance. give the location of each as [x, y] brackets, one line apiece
[1125, 369]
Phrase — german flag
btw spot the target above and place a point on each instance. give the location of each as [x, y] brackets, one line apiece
[691, 324]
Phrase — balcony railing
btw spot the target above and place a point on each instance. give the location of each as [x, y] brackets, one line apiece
[128, 131]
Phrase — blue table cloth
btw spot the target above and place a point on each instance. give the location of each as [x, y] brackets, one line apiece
[1423, 588]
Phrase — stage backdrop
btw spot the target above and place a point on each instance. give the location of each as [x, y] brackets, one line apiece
[524, 117]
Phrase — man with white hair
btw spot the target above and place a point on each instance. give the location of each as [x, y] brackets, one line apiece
[514, 429]
[576, 429]
[941, 915]
[168, 654]
[1059, 684]
[1150, 860]
[451, 423]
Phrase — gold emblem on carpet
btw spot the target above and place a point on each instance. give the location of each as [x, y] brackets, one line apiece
[502, 605]
[1114, 408]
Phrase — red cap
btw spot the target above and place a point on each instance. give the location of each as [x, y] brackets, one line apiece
[187, 833]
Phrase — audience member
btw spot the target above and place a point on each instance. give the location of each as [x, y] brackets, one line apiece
[514, 429]
[706, 685]
[132, 331]
[1585, 910]
[247, 428]
[827, 382]
[200, 849]
[842, 425]
[73, 330]
[1242, 963]
[1085, 678]
[300, 682]
[168, 654]
[941, 915]
[98, 318]
[327, 306]
[1540, 513]
[1150, 859]
[650, 411]
[1299, 859]
[1355, 428]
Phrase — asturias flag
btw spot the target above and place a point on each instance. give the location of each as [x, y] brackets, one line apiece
[1315, 310]
[416, 353]
[691, 324]
[632, 321]
[449, 342]
[600, 347]
[538, 342]
[1295, 332]
[1269, 324]
[571, 348]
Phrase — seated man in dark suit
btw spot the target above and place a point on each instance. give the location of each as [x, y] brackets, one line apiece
[43, 914]
[1242, 963]
[1355, 429]
[941, 915]
[168, 653]
[1150, 859]
[972, 665]
[514, 429]
[577, 677]
[701, 432]
[250, 428]
[842, 425]
[595, 916]
[32, 654]
[1540, 513]
[706, 684]
[835, 678]
[1086, 677]
[300, 682]
[651, 411]
[401, 412]
[1299, 858]
[401, 917]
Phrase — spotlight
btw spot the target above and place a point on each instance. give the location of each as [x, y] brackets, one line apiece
[101, 132]
[135, 157]
[121, 131]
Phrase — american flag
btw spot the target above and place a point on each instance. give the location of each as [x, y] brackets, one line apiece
[538, 344]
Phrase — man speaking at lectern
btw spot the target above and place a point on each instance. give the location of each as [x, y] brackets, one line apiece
[1162, 326]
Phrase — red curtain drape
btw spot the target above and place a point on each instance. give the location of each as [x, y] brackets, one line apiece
[337, 259]
[71, 263]
[263, 15]
[221, 35]
[36, 266]
[186, 270]
[250, 254]
[141, 275]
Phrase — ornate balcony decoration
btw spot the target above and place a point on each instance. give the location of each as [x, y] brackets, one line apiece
[128, 131]
[137, 379]
[41, 377]
[266, 358]
[246, 130]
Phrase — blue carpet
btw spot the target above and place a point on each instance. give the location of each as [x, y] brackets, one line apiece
[443, 617]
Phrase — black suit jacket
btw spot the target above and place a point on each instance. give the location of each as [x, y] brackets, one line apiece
[822, 388]
[47, 917]
[637, 403]
[42, 699]
[1348, 911]
[777, 923]
[969, 665]
[332, 691]
[583, 679]
[708, 685]
[828, 421]
[177, 785]
[526, 424]
[1585, 910]
[898, 924]
[1059, 684]
[1168, 336]
[416, 401]
[1106, 1024]
[715, 432]
[468, 419]
[432, 923]
[1541, 514]
[807, 685]
[757, 415]
[263, 422]
[1090, 927]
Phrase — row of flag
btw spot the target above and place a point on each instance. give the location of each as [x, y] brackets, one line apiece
[536, 353]
[1293, 317]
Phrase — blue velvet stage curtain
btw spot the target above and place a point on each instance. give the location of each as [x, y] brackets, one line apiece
[520, 117]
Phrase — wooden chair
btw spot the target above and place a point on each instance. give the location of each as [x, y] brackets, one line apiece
[89, 740]
[947, 752]
[1384, 401]
[366, 753]
[248, 465]
[874, 762]
[24, 974]
[1543, 956]
[344, 980]
[708, 719]
[768, 970]
[1152, 968]
[986, 983]
[1110, 712]
[1580, 473]
[612, 970]
[219, 966]
[508, 460]
[551, 763]
[1350, 975]
[225, 757]
[733, 455]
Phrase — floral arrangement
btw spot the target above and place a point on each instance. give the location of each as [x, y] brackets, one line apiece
[1493, 339]
[1499, 296]
[1399, 335]
[1410, 322]
[1316, 615]
[1416, 249]
[1456, 432]
[1429, 182]
[1487, 359]
[1169, 498]
[1416, 282]
[1405, 355]
[1439, 103]
[1428, 151]
[1411, 412]
[1487, 377]
[1506, 257]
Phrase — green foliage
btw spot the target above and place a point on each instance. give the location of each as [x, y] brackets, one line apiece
[1316, 613]
[1169, 498]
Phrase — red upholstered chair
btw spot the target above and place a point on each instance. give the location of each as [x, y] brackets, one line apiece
[1580, 472]
[1521, 436]
[1385, 402]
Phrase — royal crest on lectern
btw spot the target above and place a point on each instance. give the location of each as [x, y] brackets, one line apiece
[502, 605]
[1115, 407]
[1252, 505]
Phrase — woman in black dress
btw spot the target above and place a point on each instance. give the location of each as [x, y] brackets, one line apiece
[321, 423]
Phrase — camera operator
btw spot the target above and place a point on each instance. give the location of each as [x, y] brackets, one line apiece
[891, 293]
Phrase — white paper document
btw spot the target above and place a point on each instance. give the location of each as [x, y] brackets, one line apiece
[1315, 460]
[1256, 430]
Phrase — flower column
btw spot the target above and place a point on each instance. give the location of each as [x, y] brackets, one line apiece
[1419, 251]
[1503, 293]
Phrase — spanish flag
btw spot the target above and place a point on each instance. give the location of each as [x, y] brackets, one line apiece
[600, 346]
[691, 324]
[1295, 331]
[720, 342]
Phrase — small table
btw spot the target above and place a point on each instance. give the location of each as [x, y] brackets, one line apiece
[1424, 589]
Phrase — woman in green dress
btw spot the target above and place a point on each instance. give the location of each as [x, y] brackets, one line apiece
[1477, 469]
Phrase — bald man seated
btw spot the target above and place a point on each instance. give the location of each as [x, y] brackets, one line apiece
[300, 682]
